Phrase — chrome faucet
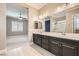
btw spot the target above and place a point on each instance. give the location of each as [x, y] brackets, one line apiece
[63, 33]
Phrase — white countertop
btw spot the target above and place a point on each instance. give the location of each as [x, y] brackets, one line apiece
[60, 35]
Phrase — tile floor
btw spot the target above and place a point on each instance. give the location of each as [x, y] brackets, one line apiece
[28, 50]
[13, 42]
[19, 46]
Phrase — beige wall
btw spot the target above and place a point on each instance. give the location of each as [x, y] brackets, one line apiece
[2, 26]
[33, 15]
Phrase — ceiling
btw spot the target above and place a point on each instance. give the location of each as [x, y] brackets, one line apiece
[37, 5]
[14, 10]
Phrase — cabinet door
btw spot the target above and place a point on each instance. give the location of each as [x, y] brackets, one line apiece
[68, 50]
[45, 39]
[54, 47]
[35, 38]
[39, 40]
[45, 42]
[45, 46]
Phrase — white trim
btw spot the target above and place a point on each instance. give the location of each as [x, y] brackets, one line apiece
[3, 51]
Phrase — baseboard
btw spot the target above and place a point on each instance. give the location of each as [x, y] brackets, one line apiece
[3, 51]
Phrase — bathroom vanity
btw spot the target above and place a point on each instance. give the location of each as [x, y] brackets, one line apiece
[58, 44]
[60, 34]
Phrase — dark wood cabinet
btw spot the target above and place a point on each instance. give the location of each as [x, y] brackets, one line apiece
[68, 50]
[57, 46]
[69, 47]
[45, 39]
[45, 42]
[37, 39]
[54, 47]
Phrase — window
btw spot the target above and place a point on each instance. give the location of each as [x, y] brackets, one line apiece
[76, 24]
[14, 26]
[17, 26]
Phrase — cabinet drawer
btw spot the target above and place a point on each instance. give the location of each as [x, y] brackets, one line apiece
[69, 50]
[54, 48]
[53, 39]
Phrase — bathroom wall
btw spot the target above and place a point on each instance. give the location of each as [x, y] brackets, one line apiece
[2, 26]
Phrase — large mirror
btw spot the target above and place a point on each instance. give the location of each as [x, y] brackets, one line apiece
[66, 21]
[55, 24]
[59, 24]
[37, 25]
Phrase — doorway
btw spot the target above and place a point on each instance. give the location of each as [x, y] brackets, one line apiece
[16, 26]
